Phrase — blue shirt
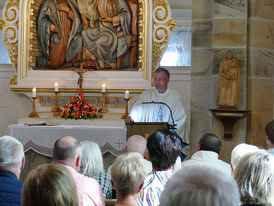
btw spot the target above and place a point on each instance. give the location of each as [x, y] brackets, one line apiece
[10, 189]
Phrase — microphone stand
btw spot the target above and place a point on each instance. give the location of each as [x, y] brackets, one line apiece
[170, 126]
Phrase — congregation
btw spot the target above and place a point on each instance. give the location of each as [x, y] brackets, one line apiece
[76, 175]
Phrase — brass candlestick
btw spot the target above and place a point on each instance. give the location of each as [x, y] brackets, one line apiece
[126, 109]
[103, 109]
[56, 105]
[33, 113]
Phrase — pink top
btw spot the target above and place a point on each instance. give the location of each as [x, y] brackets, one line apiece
[89, 191]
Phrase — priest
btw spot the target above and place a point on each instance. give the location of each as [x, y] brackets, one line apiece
[161, 104]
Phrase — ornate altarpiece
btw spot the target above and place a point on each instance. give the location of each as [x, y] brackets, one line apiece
[19, 31]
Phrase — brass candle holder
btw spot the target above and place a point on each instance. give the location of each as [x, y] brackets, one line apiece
[56, 105]
[126, 109]
[103, 109]
[33, 113]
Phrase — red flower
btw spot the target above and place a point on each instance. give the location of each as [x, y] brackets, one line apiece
[81, 95]
[67, 114]
[92, 114]
[100, 115]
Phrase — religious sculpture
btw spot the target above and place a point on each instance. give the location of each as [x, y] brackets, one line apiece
[108, 39]
[229, 80]
[58, 25]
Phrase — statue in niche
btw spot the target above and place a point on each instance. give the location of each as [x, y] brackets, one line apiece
[58, 31]
[229, 81]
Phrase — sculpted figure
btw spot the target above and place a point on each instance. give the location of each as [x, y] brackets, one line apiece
[107, 39]
[58, 33]
[228, 85]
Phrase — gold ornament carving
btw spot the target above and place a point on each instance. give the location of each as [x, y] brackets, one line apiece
[9, 28]
[163, 25]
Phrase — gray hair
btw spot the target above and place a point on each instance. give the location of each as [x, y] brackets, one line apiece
[11, 151]
[92, 159]
[200, 185]
[255, 177]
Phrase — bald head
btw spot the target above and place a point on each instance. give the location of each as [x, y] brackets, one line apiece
[136, 143]
[66, 150]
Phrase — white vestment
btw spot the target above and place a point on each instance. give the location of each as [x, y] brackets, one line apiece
[160, 112]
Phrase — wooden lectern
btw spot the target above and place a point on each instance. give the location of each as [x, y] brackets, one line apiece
[144, 128]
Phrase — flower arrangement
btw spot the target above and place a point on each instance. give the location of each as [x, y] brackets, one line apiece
[78, 108]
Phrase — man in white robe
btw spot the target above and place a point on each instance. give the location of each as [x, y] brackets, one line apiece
[158, 112]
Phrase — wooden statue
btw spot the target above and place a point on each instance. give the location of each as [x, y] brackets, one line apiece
[229, 81]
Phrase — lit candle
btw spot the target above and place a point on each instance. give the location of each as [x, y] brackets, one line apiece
[34, 92]
[56, 87]
[126, 94]
[104, 88]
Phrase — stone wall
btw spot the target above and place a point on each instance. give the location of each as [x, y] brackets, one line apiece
[245, 27]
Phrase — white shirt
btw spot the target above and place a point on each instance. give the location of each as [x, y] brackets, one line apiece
[210, 159]
[159, 112]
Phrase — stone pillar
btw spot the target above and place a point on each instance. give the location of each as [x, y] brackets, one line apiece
[201, 70]
[260, 68]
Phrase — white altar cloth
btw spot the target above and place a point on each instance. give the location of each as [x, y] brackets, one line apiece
[41, 138]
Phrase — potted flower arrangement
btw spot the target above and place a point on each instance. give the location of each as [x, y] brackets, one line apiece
[78, 108]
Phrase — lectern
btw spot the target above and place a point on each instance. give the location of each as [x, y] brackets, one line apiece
[144, 128]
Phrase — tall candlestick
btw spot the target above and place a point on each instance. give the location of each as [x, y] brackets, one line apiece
[34, 92]
[56, 87]
[104, 88]
[126, 94]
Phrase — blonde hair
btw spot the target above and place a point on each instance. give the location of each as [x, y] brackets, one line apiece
[255, 177]
[49, 185]
[92, 159]
[127, 174]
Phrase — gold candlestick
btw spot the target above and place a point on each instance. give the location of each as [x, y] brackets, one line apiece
[103, 109]
[126, 109]
[33, 113]
[56, 105]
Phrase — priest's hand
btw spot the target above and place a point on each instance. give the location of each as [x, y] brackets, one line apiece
[129, 119]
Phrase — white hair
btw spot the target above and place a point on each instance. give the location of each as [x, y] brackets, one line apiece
[11, 152]
[255, 177]
[200, 186]
[239, 151]
[92, 159]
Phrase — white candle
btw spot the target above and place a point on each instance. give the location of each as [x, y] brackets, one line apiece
[56, 87]
[34, 92]
[104, 88]
[126, 94]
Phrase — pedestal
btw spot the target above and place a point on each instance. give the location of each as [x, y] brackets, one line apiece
[229, 117]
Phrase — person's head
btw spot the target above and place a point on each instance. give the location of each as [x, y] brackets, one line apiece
[239, 151]
[210, 142]
[49, 185]
[255, 177]
[163, 148]
[91, 160]
[136, 143]
[67, 151]
[200, 185]
[161, 79]
[269, 131]
[127, 175]
[12, 155]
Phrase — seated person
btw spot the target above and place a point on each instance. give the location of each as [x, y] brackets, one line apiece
[209, 147]
[239, 151]
[127, 176]
[49, 185]
[255, 177]
[200, 185]
[12, 159]
[92, 166]
[163, 149]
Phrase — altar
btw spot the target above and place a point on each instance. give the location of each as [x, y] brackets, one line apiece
[40, 137]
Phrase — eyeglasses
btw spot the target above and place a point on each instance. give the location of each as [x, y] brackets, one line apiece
[160, 79]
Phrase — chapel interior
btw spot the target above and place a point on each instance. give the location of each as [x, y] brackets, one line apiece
[244, 27]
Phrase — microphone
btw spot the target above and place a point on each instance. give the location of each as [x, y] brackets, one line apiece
[170, 126]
